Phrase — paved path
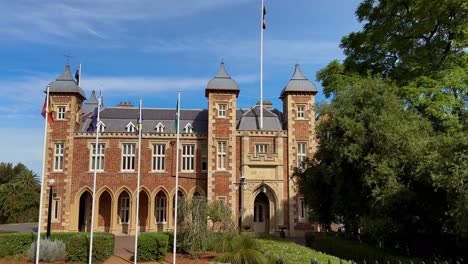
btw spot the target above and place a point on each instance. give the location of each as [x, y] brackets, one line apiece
[23, 227]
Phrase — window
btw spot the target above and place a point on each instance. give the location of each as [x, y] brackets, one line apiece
[161, 208]
[204, 158]
[101, 126]
[130, 127]
[61, 112]
[124, 210]
[301, 154]
[188, 157]
[302, 209]
[188, 128]
[261, 149]
[159, 128]
[128, 157]
[58, 157]
[159, 157]
[221, 160]
[222, 110]
[97, 158]
[300, 111]
[55, 209]
[258, 213]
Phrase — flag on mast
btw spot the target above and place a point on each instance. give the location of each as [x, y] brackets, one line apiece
[46, 109]
[176, 125]
[137, 222]
[263, 17]
[78, 75]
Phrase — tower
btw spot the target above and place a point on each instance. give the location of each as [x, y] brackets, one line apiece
[222, 92]
[299, 121]
[65, 102]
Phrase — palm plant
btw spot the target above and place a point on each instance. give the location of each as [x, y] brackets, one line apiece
[27, 180]
[243, 249]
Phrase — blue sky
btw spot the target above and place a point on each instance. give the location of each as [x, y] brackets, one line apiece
[152, 48]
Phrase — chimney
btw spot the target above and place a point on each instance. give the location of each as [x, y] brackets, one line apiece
[125, 104]
[266, 104]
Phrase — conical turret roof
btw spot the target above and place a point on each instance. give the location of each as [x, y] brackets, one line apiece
[91, 103]
[65, 83]
[222, 81]
[299, 83]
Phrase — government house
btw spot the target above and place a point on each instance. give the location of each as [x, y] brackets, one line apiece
[224, 155]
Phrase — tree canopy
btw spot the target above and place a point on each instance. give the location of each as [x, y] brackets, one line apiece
[392, 161]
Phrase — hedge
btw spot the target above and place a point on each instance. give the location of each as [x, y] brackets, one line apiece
[152, 246]
[77, 245]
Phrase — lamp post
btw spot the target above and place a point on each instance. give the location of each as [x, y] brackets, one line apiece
[51, 184]
[240, 186]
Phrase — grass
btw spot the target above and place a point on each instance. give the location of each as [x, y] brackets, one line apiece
[292, 253]
[353, 250]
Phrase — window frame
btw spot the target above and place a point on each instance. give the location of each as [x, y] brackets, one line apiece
[101, 155]
[59, 156]
[300, 111]
[222, 113]
[157, 156]
[204, 158]
[55, 209]
[221, 155]
[61, 115]
[124, 209]
[301, 153]
[188, 159]
[160, 211]
[128, 158]
[302, 209]
[263, 147]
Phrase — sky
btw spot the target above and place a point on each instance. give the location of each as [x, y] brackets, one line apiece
[151, 49]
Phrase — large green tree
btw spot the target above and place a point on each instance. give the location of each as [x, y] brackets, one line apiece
[393, 143]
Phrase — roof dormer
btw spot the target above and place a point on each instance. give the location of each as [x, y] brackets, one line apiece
[130, 127]
[188, 128]
[159, 128]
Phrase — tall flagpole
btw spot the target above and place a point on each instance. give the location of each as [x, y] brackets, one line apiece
[79, 76]
[96, 150]
[177, 179]
[137, 225]
[262, 24]
[38, 242]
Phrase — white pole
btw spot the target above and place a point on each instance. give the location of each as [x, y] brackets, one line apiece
[42, 178]
[79, 76]
[137, 225]
[177, 179]
[261, 65]
[90, 259]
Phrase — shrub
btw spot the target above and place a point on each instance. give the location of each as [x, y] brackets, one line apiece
[49, 251]
[243, 249]
[15, 243]
[309, 239]
[152, 246]
[78, 246]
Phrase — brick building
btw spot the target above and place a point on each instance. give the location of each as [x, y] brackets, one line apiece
[218, 146]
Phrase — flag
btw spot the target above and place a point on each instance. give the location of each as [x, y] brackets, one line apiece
[263, 18]
[45, 111]
[176, 118]
[139, 125]
[77, 75]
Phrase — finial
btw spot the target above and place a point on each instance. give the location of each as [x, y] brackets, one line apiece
[68, 56]
[222, 60]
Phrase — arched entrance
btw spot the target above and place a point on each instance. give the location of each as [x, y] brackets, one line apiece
[124, 211]
[105, 211]
[143, 211]
[261, 213]
[84, 218]
[160, 212]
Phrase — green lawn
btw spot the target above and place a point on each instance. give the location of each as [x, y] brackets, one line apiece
[292, 253]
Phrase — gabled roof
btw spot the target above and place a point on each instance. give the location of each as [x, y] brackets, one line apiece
[65, 83]
[298, 83]
[250, 119]
[222, 81]
[117, 119]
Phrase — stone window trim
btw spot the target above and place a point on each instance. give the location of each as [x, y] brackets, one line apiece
[222, 154]
[221, 109]
[58, 151]
[61, 112]
[188, 157]
[301, 111]
[302, 210]
[121, 147]
[90, 144]
[161, 154]
[55, 209]
[301, 152]
[103, 155]
[204, 157]
[160, 209]
[124, 210]
[261, 148]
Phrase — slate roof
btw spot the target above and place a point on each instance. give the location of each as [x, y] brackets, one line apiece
[222, 81]
[298, 83]
[91, 103]
[65, 83]
[249, 119]
[116, 119]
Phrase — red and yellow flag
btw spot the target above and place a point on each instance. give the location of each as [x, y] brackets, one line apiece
[50, 118]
